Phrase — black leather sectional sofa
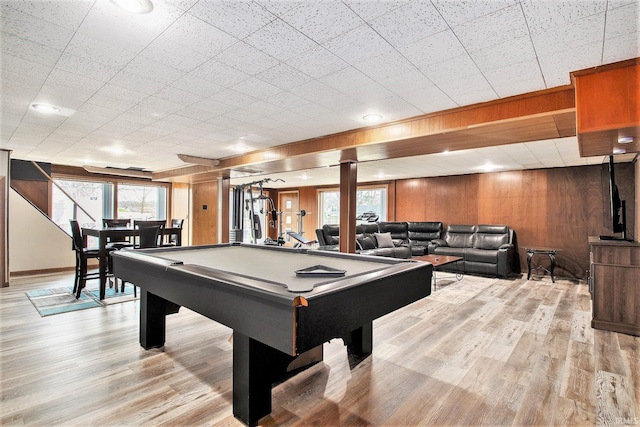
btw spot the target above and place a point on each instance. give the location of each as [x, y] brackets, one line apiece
[485, 249]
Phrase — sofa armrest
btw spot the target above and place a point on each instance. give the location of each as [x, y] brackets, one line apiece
[438, 242]
[506, 246]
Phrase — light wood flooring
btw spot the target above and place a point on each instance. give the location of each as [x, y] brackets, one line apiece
[478, 352]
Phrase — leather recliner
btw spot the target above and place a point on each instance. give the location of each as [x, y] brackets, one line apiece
[485, 249]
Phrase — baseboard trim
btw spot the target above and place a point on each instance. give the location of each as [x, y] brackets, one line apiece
[43, 271]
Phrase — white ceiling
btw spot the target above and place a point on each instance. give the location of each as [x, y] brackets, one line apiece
[206, 77]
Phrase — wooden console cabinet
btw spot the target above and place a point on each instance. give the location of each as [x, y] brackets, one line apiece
[615, 285]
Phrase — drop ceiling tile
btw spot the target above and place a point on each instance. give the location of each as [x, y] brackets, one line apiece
[358, 45]
[26, 49]
[153, 70]
[220, 74]
[386, 67]
[279, 7]
[211, 40]
[440, 47]
[120, 93]
[65, 14]
[541, 15]
[493, 29]
[247, 59]
[460, 67]
[178, 96]
[517, 78]
[505, 54]
[621, 48]
[555, 67]
[28, 27]
[200, 114]
[86, 67]
[459, 12]
[164, 14]
[173, 55]
[322, 21]
[257, 88]
[429, 99]
[409, 23]
[99, 51]
[236, 17]
[158, 106]
[71, 80]
[569, 36]
[623, 21]
[469, 90]
[317, 62]
[22, 80]
[196, 85]
[109, 28]
[137, 83]
[284, 76]
[371, 9]
[279, 40]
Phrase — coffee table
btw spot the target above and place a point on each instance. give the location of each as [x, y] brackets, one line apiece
[440, 260]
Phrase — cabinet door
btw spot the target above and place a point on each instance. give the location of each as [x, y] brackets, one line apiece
[616, 295]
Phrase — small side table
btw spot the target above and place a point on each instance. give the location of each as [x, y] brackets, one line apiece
[550, 252]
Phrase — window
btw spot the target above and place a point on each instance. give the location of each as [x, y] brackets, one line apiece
[142, 202]
[372, 199]
[89, 195]
[95, 201]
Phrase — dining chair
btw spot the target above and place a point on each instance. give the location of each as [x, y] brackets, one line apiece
[146, 223]
[172, 239]
[83, 255]
[148, 239]
[113, 223]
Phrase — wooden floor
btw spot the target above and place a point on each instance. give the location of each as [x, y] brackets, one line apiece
[478, 352]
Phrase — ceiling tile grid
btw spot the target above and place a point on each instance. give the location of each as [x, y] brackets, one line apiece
[281, 71]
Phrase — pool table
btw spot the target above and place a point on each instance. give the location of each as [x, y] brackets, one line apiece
[281, 303]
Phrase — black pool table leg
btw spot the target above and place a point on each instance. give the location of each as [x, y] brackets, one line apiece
[153, 310]
[256, 366]
[360, 341]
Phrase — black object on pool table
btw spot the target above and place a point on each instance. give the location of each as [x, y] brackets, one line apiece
[279, 320]
[320, 271]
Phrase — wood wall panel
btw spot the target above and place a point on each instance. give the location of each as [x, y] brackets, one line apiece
[37, 192]
[205, 220]
[558, 207]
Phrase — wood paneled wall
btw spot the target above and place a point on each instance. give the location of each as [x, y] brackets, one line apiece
[546, 207]
[204, 213]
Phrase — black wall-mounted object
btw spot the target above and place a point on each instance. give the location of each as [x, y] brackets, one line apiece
[25, 170]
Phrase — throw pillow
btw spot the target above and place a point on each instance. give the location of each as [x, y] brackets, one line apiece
[366, 241]
[384, 240]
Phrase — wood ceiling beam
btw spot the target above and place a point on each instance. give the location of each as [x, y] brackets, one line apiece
[529, 117]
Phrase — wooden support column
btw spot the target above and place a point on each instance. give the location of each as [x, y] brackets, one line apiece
[224, 186]
[348, 185]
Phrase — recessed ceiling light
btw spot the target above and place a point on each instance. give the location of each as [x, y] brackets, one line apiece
[45, 108]
[114, 150]
[134, 6]
[240, 148]
[372, 118]
[625, 140]
[488, 167]
[618, 150]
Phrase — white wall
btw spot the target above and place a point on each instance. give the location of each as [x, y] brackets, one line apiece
[35, 243]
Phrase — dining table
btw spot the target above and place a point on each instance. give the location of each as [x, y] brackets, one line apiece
[106, 234]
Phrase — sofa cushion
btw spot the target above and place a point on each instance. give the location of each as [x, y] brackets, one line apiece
[460, 236]
[331, 234]
[446, 250]
[367, 228]
[481, 255]
[384, 240]
[424, 231]
[491, 236]
[397, 229]
[366, 241]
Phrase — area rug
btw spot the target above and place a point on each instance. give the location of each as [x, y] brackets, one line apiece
[61, 300]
